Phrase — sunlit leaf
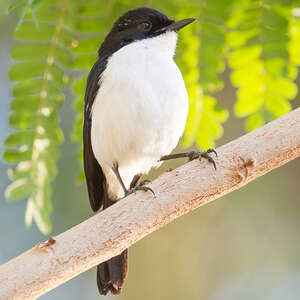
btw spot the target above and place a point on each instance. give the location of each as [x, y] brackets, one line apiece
[262, 68]
[20, 138]
[202, 61]
[293, 46]
[255, 120]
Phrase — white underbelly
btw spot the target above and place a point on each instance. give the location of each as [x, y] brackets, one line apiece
[138, 115]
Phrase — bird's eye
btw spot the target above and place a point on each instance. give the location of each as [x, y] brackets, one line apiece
[145, 26]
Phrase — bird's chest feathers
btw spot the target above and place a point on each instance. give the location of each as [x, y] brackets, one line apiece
[143, 79]
[142, 102]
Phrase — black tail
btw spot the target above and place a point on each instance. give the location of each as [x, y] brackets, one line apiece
[112, 273]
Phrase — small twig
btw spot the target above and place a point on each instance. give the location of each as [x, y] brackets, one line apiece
[46, 244]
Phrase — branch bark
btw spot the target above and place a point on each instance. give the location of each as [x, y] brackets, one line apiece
[178, 192]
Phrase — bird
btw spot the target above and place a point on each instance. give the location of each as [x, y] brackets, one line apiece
[135, 111]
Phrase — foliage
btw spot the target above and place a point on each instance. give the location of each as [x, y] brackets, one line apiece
[262, 69]
[202, 59]
[28, 7]
[41, 58]
[259, 39]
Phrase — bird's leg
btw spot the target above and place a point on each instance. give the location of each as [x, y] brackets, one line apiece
[193, 155]
[134, 186]
[115, 169]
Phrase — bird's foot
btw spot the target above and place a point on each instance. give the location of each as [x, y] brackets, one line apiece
[206, 154]
[140, 187]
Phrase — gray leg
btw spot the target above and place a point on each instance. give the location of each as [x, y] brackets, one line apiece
[192, 155]
[133, 186]
[115, 169]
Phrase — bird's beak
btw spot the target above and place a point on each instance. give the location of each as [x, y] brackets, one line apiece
[176, 25]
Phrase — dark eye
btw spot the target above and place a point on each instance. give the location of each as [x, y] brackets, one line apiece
[145, 26]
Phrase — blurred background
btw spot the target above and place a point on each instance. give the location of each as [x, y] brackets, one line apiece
[243, 246]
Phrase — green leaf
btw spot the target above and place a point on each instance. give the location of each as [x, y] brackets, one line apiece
[249, 101]
[29, 214]
[28, 120]
[16, 156]
[202, 61]
[24, 52]
[28, 32]
[19, 138]
[79, 86]
[35, 87]
[22, 170]
[19, 189]
[33, 103]
[46, 32]
[210, 127]
[87, 45]
[43, 59]
[259, 58]
[293, 45]
[255, 120]
[42, 220]
[26, 70]
[85, 61]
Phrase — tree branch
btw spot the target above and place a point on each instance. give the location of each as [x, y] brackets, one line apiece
[178, 192]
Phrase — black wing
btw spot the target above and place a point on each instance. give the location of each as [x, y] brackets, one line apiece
[95, 178]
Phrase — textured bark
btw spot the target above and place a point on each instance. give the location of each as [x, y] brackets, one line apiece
[178, 192]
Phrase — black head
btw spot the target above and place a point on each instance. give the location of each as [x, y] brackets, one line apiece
[136, 25]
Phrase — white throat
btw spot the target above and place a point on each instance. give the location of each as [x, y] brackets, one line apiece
[163, 44]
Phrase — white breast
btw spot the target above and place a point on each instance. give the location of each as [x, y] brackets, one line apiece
[140, 111]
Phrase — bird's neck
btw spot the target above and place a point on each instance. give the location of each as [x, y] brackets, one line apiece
[164, 43]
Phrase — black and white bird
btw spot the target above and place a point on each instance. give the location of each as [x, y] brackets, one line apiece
[136, 106]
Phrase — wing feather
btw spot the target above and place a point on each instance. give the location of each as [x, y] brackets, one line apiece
[95, 179]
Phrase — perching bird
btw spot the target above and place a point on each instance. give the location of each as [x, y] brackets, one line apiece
[136, 106]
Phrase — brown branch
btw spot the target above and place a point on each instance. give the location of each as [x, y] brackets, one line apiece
[105, 235]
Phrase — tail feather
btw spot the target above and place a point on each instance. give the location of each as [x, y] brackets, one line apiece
[111, 274]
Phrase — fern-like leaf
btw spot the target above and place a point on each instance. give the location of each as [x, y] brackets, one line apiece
[205, 61]
[262, 69]
[41, 57]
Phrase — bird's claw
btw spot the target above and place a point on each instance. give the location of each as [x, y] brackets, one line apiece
[194, 154]
[210, 150]
[145, 189]
[140, 187]
[144, 182]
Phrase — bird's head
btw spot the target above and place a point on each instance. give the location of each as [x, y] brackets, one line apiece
[139, 24]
